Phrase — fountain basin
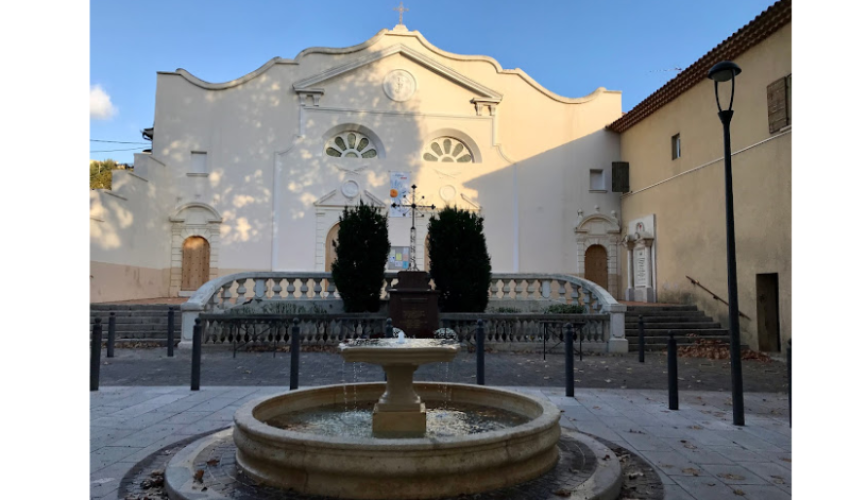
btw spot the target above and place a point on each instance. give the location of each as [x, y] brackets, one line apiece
[350, 467]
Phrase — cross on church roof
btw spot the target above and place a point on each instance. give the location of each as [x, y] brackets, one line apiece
[401, 10]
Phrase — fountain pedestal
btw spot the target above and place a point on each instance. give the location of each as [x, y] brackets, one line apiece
[400, 411]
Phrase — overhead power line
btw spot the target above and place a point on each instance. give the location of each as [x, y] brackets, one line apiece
[114, 150]
[117, 142]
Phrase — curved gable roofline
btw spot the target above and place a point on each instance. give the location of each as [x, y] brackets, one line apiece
[368, 43]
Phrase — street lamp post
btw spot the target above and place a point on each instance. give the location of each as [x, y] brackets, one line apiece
[720, 73]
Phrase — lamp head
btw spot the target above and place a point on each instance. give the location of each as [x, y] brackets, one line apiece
[724, 71]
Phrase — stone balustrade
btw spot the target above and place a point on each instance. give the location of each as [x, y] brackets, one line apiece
[317, 288]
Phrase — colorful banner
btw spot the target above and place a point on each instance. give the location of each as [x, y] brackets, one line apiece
[400, 187]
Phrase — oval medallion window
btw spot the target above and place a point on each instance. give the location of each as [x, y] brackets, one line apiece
[351, 145]
[447, 150]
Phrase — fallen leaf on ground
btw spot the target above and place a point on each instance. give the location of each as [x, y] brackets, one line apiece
[212, 461]
[199, 475]
[563, 492]
[732, 477]
[691, 470]
[738, 492]
[695, 427]
[778, 479]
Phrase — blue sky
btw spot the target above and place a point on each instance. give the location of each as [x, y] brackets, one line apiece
[568, 46]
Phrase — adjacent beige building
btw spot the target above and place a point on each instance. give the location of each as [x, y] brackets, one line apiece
[673, 143]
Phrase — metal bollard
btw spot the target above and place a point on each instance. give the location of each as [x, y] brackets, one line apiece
[479, 352]
[170, 331]
[196, 355]
[568, 362]
[110, 336]
[672, 371]
[789, 382]
[641, 340]
[96, 340]
[294, 354]
[388, 331]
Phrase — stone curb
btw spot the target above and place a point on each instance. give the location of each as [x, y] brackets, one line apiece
[607, 480]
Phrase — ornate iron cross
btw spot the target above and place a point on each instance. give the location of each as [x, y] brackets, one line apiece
[401, 10]
[413, 206]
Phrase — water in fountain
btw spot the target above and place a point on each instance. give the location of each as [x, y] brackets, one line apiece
[455, 419]
[344, 385]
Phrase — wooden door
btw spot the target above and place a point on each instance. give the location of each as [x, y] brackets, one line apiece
[767, 309]
[596, 265]
[196, 262]
[330, 250]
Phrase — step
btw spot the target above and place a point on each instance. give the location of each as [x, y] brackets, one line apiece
[681, 340]
[684, 315]
[673, 326]
[680, 332]
[133, 307]
[645, 309]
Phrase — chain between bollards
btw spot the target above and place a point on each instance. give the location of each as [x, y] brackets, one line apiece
[96, 341]
[295, 354]
[789, 382]
[479, 351]
[110, 336]
[170, 331]
[641, 340]
[672, 371]
[196, 356]
[568, 362]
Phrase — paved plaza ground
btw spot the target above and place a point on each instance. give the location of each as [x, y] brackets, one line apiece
[151, 367]
[696, 450]
[145, 404]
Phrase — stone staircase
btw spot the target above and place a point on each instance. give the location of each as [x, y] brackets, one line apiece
[681, 320]
[139, 322]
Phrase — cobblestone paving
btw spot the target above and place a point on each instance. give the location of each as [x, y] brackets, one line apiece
[151, 367]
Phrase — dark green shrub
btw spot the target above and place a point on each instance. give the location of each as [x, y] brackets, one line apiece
[564, 309]
[362, 247]
[504, 310]
[460, 264]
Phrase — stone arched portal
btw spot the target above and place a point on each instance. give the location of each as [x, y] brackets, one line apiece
[193, 219]
[330, 249]
[603, 231]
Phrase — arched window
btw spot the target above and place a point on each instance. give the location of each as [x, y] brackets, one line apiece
[351, 145]
[447, 150]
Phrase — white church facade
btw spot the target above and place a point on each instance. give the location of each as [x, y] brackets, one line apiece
[252, 174]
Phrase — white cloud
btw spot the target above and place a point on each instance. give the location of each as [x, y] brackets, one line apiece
[100, 104]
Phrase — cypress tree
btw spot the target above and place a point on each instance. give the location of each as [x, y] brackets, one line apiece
[362, 247]
[460, 264]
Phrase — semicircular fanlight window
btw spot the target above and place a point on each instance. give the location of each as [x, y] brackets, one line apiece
[351, 145]
[447, 150]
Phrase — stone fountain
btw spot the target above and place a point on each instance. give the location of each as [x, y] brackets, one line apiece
[399, 412]
[403, 454]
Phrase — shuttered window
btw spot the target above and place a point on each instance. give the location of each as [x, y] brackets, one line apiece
[779, 104]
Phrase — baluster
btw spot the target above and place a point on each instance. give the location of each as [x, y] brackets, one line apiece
[520, 289]
[332, 289]
[276, 289]
[317, 288]
[290, 288]
[226, 296]
[505, 289]
[304, 289]
[546, 289]
[562, 291]
[494, 289]
[240, 291]
[215, 301]
[259, 288]
[597, 304]
[574, 294]
[586, 297]
[531, 289]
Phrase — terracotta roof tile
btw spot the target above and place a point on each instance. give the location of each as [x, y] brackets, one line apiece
[768, 22]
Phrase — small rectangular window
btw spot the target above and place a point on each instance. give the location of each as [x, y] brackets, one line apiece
[597, 180]
[779, 104]
[676, 146]
[199, 163]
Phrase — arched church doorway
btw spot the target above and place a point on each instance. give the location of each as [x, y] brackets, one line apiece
[196, 263]
[596, 265]
[330, 250]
